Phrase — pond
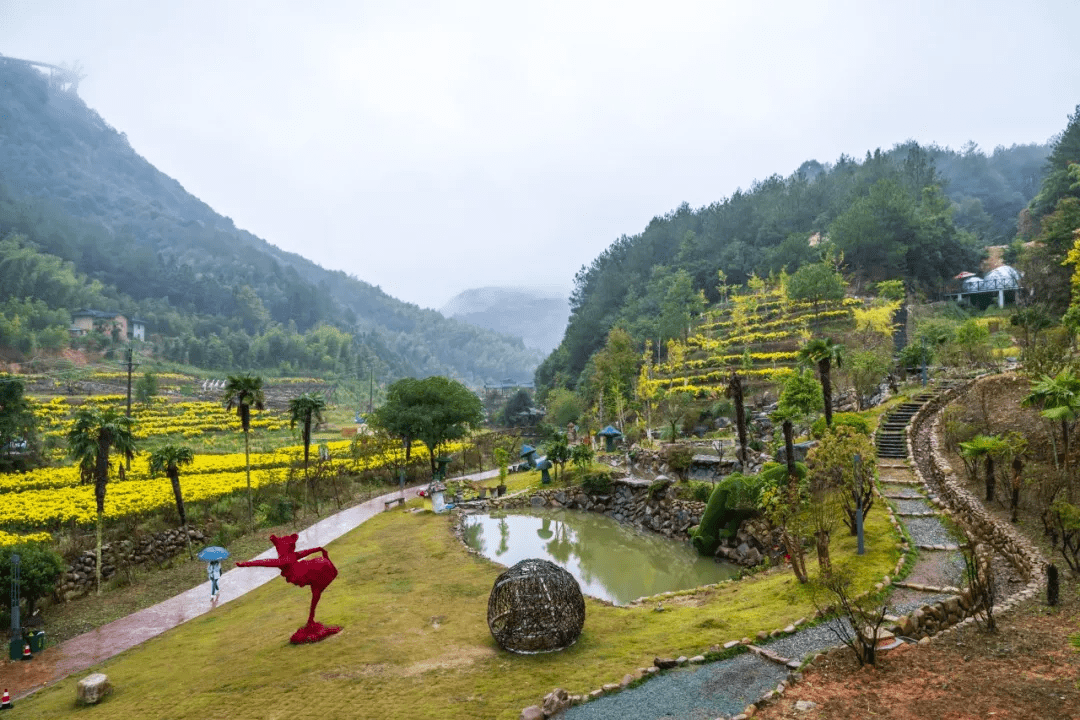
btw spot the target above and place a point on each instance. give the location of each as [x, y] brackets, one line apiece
[611, 561]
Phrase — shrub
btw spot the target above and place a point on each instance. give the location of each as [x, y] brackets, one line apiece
[40, 568]
[852, 420]
[679, 458]
[701, 491]
[597, 483]
[774, 474]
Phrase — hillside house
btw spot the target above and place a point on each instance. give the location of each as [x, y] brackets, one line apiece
[137, 329]
[112, 324]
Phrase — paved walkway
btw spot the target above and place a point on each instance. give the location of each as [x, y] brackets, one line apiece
[89, 649]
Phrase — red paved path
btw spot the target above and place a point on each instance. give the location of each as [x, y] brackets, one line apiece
[86, 650]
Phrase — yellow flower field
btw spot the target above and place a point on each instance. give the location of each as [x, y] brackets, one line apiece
[48, 497]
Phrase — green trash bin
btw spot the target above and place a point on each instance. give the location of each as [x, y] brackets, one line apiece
[16, 648]
[37, 641]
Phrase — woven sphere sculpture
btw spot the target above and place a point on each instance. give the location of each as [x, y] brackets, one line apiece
[534, 607]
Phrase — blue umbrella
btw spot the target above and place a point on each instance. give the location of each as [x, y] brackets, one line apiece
[213, 553]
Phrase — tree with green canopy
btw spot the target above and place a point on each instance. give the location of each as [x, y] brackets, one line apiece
[18, 426]
[433, 411]
[675, 408]
[93, 435]
[815, 283]
[245, 392]
[832, 463]
[168, 459]
[146, 388]
[518, 410]
[39, 569]
[823, 352]
[558, 452]
[1059, 182]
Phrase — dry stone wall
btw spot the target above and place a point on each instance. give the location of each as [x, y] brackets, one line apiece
[628, 502]
[985, 532]
[79, 578]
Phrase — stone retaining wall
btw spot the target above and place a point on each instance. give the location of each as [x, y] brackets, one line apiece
[79, 578]
[628, 502]
[1008, 542]
[985, 530]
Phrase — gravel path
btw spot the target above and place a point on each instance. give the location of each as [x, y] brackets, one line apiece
[725, 688]
[911, 506]
[699, 693]
[904, 490]
[938, 568]
[809, 641]
[929, 531]
[904, 601]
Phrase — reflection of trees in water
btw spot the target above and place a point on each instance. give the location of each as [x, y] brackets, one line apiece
[474, 536]
[562, 545]
[504, 537]
[610, 560]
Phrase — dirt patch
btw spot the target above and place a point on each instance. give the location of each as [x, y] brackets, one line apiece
[454, 658]
[1025, 670]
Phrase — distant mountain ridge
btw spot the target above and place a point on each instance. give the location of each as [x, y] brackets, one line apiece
[538, 315]
[76, 189]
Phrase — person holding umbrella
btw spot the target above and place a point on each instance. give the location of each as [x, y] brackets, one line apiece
[213, 556]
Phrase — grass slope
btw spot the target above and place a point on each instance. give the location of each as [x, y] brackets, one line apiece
[415, 642]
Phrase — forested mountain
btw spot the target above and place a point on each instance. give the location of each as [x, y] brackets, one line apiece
[536, 315]
[920, 214]
[74, 191]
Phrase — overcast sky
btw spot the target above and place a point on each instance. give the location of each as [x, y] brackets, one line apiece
[433, 147]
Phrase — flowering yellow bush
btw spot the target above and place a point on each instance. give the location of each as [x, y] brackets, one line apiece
[160, 417]
[48, 497]
[7, 538]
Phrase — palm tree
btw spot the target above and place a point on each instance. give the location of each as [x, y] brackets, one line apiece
[984, 448]
[93, 435]
[1059, 398]
[306, 410]
[734, 390]
[244, 392]
[823, 353]
[168, 459]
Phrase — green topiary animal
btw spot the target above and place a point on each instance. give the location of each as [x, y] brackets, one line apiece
[734, 499]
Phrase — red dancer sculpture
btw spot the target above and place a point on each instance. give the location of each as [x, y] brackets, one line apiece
[318, 573]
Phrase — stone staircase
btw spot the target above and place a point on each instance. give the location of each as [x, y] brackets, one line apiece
[891, 438]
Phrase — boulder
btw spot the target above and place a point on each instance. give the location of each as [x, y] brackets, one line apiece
[801, 449]
[92, 688]
[556, 701]
[533, 712]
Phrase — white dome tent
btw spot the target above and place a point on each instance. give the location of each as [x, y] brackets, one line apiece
[999, 281]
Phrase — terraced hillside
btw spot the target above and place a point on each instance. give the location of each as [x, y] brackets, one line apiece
[758, 334]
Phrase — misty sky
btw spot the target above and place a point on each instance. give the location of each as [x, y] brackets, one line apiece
[432, 147]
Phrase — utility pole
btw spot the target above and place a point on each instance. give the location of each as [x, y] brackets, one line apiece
[130, 366]
[371, 388]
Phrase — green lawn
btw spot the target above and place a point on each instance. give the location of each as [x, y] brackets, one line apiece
[415, 642]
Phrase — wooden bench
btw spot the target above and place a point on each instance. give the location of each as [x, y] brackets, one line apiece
[390, 503]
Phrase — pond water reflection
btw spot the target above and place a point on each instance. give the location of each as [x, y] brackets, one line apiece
[611, 561]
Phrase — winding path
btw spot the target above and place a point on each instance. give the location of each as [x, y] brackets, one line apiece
[724, 689]
[89, 649]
